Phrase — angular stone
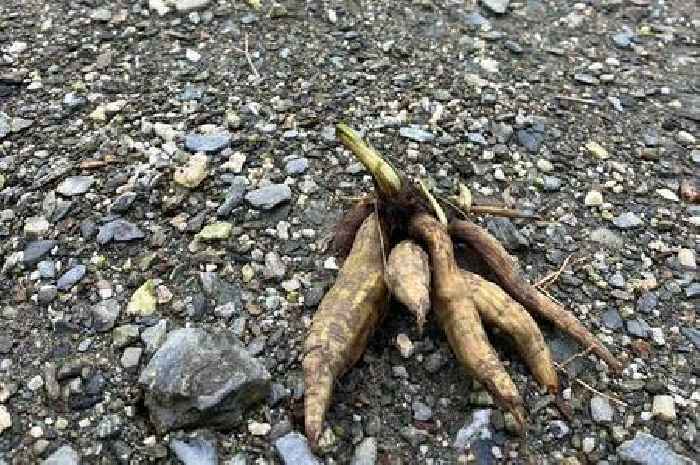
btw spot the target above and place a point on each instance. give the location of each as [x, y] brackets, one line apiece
[627, 220]
[71, 277]
[75, 185]
[36, 226]
[593, 199]
[646, 449]
[193, 173]
[215, 231]
[479, 424]
[612, 319]
[293, 449]
[36, 250]
[64, 455]
[154, 336]
[131, 358]
[208, 143]
[607, 238]
[199, 378]
[601, 411]
[365, 452]
[105, 314]
[195, 451]
[220, 290]
[5, 419]
[530, 139]
[505, 231]
[119, 231]
[270, 196]
[416, 134]
[664, 408]
[143, 301]
[496, 6]
[297, 166]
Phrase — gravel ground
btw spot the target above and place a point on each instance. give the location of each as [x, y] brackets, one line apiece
[169, 178]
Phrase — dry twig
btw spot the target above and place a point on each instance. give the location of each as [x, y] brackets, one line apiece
[246, 52]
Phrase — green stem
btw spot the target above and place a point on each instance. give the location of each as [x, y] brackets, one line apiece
[387, 178]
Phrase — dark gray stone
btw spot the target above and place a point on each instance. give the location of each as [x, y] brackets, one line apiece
[421, 412]
[105, 314]
[611, 319]
[71, 277]
[638, 328]
[693, 336]
[36, 250]
[233, 197]
[221, 291]
[119, 231]
[208, 143]
[270, 196]
[123, 202]
[622, 39]
[507, 234]
[647, 302]
[200, 378]
[646, 449]
[530, 139]
[195, 451]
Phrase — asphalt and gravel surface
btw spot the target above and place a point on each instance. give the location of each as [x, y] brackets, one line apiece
[169, 178]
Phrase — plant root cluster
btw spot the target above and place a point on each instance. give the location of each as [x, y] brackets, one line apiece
[396, 245]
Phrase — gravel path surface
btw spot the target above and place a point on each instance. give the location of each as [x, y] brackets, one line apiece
[169, 178]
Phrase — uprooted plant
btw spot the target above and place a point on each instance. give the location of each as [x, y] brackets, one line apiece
[385, 238]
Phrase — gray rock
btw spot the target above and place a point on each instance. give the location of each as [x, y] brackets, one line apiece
[47, 269]
[622, 39]
[627, 220]
[233, 197]
[195, 451]
[35, 251]
[692, 291]
[47, 294]
[416, 134]
[109, 426]
[71, 277]
[293, 449]
[647, 302]
[505, 231]
[64, 455]
[421, 412]
[297, 166]
[119, 231]
[612, 319]
[124, 335]
[208, 143]
[646, 449]
[123, 202]
[693, 336]
[154, 336]
[496, 6]
[74, 101]
[190, 92]
[476, 138]
[530, 139]
[606, 238]
[601, 411]
[502, 131]
[477, 428]
[638, 328]
[617, 280]
[75, 185]
[365, 452]
[690, 106]
[274, 266]
[239, 459]
[270, 196]
[221, 291]
[585, 78]
[551, 183]
[201, 378]
[105, 314]
[131, 358]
